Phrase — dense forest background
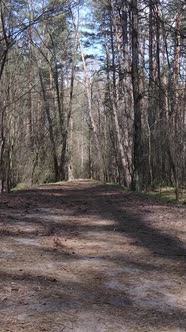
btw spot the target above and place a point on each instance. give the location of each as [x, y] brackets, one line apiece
[93, 89]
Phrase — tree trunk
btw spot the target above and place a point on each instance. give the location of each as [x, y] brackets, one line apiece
[51, 133]
[137, 152]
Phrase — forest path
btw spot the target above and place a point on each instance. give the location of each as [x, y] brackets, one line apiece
[86, 257]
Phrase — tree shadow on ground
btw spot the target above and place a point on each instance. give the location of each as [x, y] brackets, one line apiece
[60, 296]
[101, 203]
[82, 203]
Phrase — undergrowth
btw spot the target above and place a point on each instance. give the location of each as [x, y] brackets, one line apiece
[166, 194]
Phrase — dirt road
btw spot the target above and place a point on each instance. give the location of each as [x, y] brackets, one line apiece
[88, 258]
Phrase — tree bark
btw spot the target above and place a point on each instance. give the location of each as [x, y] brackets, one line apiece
[137, 148]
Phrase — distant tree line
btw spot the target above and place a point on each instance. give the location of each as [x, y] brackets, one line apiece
[95, 89]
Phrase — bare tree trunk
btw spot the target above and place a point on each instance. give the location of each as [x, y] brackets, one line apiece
[52, 139]
[138, 152]
[114, 105]
[64, 157]
[151, 120]
[2, 175]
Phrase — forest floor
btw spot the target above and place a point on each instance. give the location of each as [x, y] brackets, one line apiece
[81, 256]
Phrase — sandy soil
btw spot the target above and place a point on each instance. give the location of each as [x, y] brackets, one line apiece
[88, 258]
